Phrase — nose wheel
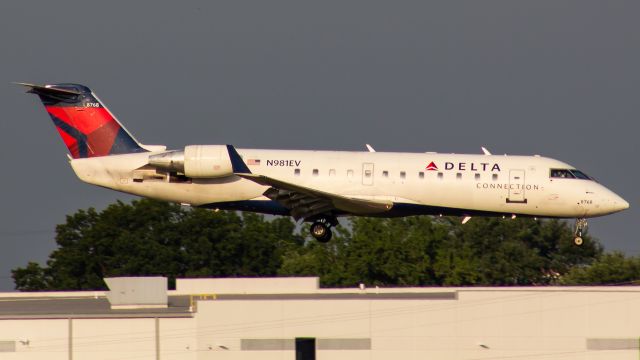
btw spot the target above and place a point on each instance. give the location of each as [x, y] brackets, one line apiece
[321, 229]
[581, 225]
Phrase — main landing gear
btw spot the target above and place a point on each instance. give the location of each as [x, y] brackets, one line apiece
[581, 225]
[321, 228]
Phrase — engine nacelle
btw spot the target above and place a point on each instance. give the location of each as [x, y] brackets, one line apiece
[196, 161]
[207, 161]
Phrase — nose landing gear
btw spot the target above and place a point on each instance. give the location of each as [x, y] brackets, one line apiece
[321, 228]
[581, 225]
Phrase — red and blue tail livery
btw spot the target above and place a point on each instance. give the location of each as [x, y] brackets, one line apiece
[86, 126]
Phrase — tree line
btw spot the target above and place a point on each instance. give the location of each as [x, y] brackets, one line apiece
[147, 237]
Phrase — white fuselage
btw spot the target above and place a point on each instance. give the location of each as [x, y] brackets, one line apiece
[453, 184]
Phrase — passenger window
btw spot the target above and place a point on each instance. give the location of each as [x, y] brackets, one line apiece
[458, 176]
[332, 172]
[315, 172]
[349, 173]
[477, 176]
[385, 173]
[440, 175]
[296, 172]
[494, 177]
[403, 174]
[421, 175]
[367, 173]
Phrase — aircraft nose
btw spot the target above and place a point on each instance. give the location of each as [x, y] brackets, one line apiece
[621, 204]
[618, 203]
[606, 201]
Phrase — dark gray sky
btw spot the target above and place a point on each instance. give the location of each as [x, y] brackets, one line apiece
[556, 78]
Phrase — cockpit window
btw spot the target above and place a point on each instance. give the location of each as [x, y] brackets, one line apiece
[562, 174]
[580, 175]
[569, 174]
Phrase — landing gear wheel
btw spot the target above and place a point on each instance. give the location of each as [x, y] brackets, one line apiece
[327, 236]
[581, 225]
[321, 229]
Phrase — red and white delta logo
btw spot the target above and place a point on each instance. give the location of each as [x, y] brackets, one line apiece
[432, 166]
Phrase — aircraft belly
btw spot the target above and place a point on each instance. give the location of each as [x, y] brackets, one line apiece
[197, 194]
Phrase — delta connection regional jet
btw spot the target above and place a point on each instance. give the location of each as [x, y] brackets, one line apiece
[319, 186]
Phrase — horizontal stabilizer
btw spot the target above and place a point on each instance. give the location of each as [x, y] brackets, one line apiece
[48, 90]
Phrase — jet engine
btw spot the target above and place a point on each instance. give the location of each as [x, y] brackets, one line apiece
[195, 161]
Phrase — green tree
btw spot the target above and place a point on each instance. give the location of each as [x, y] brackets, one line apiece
[612, 268]
[385, 252]
[423, 250]
[122, 240]
[150, 237]
[31, 278]
[495, 251]
[398, 251]
[225, 244]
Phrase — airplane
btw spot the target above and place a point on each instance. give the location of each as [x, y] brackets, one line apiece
[319, 186]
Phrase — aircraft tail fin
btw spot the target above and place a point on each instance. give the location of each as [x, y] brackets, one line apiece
[86, 126]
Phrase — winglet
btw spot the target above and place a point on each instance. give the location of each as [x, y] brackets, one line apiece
[370, 148]
[485, 151]
[238, 165]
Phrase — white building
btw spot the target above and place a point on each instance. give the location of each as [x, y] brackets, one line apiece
[281, 318]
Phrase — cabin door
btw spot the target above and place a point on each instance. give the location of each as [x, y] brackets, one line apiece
[516, 187]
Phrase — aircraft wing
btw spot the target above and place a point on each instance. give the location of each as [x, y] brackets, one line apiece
[305, 202]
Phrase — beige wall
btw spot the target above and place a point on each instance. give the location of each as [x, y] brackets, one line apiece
[100, 339]
[535, 323]
[44, 339]
[480, 324]
[111, 339]
[178, 339]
